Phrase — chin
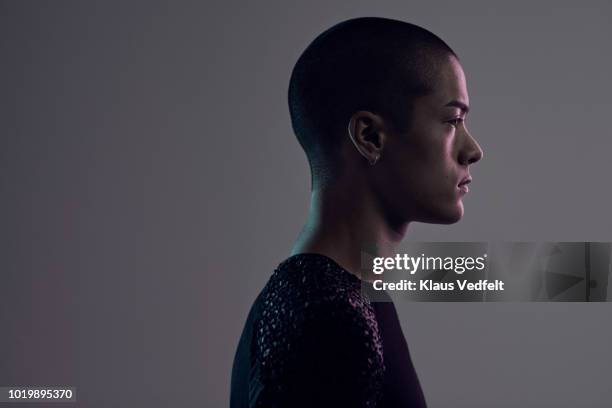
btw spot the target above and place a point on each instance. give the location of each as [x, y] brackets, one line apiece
[445, 215]
[452, 219]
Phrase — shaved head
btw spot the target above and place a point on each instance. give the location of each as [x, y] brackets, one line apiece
[374, 64]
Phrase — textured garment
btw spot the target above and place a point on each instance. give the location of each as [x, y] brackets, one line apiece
[313, 339]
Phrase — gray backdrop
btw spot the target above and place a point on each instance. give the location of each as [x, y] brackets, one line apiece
[150, 182]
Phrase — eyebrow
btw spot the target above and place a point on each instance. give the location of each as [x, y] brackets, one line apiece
[457, 104]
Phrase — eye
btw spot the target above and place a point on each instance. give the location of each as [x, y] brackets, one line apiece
[455, 122]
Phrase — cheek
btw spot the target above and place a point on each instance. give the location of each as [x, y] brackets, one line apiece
[433, 165]
[419, 188]
[442, 162]
[414, 179]
[435, 184]
[421, 164]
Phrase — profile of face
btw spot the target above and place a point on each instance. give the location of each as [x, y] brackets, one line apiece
[423, 171]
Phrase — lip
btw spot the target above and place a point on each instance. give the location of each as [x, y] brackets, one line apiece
[463, 185]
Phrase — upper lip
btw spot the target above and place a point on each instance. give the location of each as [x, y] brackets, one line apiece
[465, 180]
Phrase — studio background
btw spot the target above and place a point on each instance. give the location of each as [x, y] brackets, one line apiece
[150, 183]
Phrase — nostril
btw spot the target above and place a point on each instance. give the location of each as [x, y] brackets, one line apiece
[475, 156]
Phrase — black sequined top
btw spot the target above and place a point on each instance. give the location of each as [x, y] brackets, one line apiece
[314, 339]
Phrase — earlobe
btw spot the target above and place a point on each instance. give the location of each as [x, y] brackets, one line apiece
[375, 160]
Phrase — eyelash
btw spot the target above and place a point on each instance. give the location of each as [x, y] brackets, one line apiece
[455, 122]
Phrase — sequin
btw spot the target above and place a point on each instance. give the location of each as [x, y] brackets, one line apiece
[325, 327]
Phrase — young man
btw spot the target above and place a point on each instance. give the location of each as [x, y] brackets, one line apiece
[379, 107]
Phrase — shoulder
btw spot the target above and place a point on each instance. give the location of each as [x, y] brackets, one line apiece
[315, 323]
[312, 289]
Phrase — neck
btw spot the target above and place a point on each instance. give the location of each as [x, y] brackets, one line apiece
[349, 227]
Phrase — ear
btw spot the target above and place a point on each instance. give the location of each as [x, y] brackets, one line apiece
[366, 130]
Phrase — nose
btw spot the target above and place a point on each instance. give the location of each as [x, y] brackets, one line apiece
[470, 152]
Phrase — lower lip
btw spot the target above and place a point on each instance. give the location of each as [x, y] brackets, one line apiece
[463, 189]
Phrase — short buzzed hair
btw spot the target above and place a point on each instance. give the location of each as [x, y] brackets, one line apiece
[370, 63]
